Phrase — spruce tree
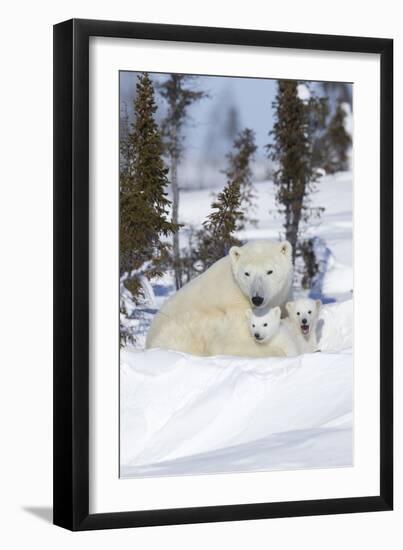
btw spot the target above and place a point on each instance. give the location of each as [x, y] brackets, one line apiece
[232, 206]
[218, 233]
[338, 92]
[291, 151]
[239, 171]
[231, 125]
[317, 111]
[125, 153]
[179, 95]
[337, 142]
[145, 227]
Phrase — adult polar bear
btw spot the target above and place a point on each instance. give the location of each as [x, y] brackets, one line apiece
[212, 307]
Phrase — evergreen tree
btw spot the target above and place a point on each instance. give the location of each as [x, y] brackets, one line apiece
[231, 208]
[317, 112]
[231, 126]
[338, 92]
[239, 171]
[179, 95]
[337, 142]
[144, 206]
[124, 140]
[217, 235]
[292, 152]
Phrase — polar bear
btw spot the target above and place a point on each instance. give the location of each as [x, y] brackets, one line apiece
[271, 332]
[302, 322]
[229, 337]
[257, 274]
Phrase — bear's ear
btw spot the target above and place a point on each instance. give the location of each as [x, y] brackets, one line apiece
[248, 313]
[288, 307]
[318, 304]
[286, 248]
[235, 253]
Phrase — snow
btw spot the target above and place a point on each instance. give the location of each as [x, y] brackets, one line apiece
[182, 414]
[335, 327]
[348, 121]
[303, 92]
[187, 415]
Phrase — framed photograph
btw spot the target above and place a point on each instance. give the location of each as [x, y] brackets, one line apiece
[223, 293]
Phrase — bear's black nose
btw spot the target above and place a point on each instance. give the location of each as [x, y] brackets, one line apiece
[257, 301]
[304, 321]
[256, 335]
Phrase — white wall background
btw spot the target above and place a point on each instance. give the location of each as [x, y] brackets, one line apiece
[26, 281]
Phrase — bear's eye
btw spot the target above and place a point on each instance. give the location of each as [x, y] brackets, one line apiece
[298, 313]
[253, 326]
[309, 312]
[265, 325]
[247, 274]
[270, 272]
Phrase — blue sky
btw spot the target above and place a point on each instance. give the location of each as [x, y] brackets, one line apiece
[206, 142]
[251, 96]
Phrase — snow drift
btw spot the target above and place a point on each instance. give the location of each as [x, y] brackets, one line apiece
[182, 414]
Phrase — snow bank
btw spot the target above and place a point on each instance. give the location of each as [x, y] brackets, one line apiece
[335, 327]
[182, 414]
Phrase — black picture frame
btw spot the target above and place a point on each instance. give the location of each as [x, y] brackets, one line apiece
[71, 274]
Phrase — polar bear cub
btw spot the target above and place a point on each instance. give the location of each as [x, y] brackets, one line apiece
[268, 330]
[302, 321]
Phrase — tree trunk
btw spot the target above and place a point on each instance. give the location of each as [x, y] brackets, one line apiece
[175, 215]
[293, 225]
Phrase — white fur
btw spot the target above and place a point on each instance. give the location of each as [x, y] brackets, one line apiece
[299, 311]
[190, 320]
[231, 336]
[269, 330]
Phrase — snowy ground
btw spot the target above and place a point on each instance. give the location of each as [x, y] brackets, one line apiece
[182, 414]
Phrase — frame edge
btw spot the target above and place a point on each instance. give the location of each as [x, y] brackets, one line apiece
[63, 500]
[70, 429]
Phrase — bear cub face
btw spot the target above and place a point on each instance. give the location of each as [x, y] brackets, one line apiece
[262, 270]
[303, 315]
[263, 325]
